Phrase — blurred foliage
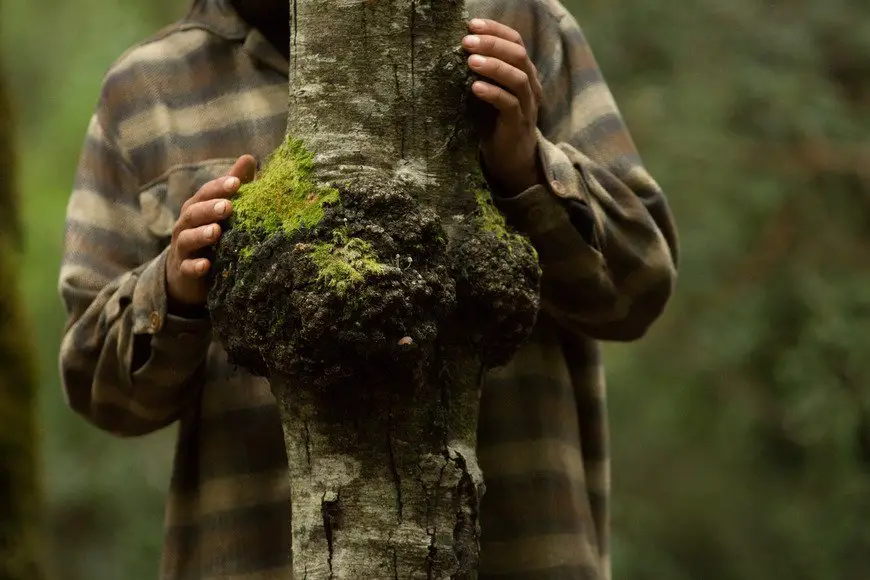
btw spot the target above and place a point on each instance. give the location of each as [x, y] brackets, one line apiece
[740, 424]
[104, 496]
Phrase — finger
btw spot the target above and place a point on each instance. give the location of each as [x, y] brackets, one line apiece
[488, 45]
[195, 268]
[505, 102]
[192, 240]
[216, 188]
[244, 169]
[505, 75]
[202, 213]
[486, 26]
[510, 52]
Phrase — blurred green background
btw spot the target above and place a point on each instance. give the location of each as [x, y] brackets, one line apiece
[740, 424]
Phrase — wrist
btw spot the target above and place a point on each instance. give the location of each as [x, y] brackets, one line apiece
[519, 179]
[177, 306]
[192, 311]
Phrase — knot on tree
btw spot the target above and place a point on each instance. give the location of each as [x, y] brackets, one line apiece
[325, 285]
[374, 320]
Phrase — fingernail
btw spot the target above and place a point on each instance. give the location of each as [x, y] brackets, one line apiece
[220, 207]
[210, 232]
[231, 183]
[202, 266]
[476, 60]
[479, 88]
[477, 23]
[472, 41]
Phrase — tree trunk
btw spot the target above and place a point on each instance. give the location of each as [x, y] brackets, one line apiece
[385, 484]
[19, 517]
[368, 276]
[378, 91]
[390, 95]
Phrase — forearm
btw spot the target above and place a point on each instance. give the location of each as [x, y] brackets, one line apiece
[606, 245]
[605, 236]
[127, 365]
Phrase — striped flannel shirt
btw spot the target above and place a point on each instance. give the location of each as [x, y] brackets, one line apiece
[175, 112]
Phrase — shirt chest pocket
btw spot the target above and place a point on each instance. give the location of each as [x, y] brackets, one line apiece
[160, 202]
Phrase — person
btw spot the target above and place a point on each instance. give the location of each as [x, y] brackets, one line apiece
[184, 118]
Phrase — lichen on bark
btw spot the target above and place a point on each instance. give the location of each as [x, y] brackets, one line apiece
[367, 274]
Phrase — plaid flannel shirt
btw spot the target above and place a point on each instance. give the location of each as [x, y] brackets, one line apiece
[175, 112]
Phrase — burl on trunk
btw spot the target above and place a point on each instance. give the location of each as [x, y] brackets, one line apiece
[368, 276]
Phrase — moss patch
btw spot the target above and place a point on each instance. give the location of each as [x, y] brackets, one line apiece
[328, 304]
[246, 253]
[344, 262]
[491, 219]
[284, 196]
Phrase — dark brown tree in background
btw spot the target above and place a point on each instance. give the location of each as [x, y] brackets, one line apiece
[19, 498]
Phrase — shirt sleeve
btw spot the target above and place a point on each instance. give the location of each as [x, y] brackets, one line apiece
[605, 236]
[126, 364]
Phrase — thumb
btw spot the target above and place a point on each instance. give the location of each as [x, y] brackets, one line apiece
[244, 168]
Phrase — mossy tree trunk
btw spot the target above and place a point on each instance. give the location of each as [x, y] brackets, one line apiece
[368, 276]
[19, 499]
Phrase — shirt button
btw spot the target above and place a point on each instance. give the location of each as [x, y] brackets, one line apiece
[558, 187]
[155, 321]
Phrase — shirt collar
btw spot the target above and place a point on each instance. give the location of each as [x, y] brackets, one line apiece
[220, 18]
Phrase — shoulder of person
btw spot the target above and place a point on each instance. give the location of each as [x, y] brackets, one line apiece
[520, 14]
[159, 54]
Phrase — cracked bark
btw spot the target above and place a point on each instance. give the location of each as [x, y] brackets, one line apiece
[395, 460]
[385, 495]
[378, 389]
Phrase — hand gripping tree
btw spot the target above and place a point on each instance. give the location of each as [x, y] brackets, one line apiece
[368, 276]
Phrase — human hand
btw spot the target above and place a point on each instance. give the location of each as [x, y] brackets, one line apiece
[198, 228]
[510, 149]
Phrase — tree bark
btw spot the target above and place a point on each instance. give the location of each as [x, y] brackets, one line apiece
[368, 276]
[378, 91]
[19, 498]
[386, 484]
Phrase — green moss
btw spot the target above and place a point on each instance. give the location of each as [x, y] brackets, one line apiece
[284, 196]
[246, 253]
[344, 262]
[492, 220]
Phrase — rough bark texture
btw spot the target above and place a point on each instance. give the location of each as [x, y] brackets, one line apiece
[18, 480]
[367, 274]
[379, 92]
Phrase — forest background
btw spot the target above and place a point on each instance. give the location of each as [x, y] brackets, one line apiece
[740, 424]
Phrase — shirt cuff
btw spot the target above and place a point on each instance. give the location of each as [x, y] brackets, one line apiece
[540, 207]
[150, 306]
[149, 297]
[177, 350]
[165, 346]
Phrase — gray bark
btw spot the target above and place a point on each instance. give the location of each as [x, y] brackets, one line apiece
[385, 481]
[385, 484]
[378, 91]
